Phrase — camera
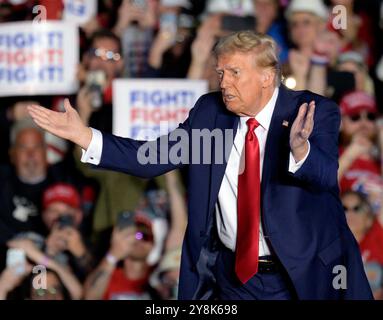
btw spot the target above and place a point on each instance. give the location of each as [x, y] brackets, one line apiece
[125, 219]
[65, 220]
[95, 81]
[169, 25]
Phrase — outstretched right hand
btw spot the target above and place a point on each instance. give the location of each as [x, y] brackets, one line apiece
[66, 125]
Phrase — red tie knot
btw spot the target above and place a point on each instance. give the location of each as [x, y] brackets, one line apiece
[252, 124]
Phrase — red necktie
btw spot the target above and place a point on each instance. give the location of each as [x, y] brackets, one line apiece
[248, 208]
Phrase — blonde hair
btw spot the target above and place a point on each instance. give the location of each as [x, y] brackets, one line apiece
[265, 49]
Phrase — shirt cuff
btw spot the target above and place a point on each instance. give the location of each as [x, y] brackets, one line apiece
[93, 154]
[295, 166]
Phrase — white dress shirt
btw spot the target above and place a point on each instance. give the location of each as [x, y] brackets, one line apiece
[226, 206]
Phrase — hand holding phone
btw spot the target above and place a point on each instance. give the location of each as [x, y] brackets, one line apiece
[16, 260]
[96, 81]
[125, 219]
[169, 26]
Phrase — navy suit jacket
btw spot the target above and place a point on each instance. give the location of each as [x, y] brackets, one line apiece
[302, 213]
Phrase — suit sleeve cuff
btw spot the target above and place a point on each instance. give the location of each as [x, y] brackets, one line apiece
[93, 154]
[295, 166]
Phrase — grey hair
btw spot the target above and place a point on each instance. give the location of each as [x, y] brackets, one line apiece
[264, 47]
[21, 125]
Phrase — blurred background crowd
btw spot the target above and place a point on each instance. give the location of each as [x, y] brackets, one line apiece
[106, 235]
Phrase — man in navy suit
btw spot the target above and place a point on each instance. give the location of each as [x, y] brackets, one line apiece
[263, 224]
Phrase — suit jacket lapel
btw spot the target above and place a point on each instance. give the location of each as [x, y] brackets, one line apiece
[224, 120]
[277, 137]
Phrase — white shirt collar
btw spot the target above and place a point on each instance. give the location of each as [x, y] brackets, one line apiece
[264, 116]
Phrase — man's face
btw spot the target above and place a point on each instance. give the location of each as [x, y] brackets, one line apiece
[29, 155]
[55, 210]
[240, 81]
[304, 29]
[111, 67]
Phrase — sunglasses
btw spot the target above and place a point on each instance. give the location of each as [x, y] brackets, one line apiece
[105, 55]
[369, 116]
[357, 208]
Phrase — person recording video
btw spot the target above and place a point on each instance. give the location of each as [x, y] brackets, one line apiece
[101, 64]
[124, 272]
[62, 216]
[63, 252]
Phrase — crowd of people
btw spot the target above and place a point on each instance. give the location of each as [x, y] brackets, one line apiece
[107, 235]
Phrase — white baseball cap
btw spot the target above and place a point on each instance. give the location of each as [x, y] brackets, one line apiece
[316, 7]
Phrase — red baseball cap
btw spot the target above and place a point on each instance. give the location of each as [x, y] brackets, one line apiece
[62, 192]
[357, 101]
